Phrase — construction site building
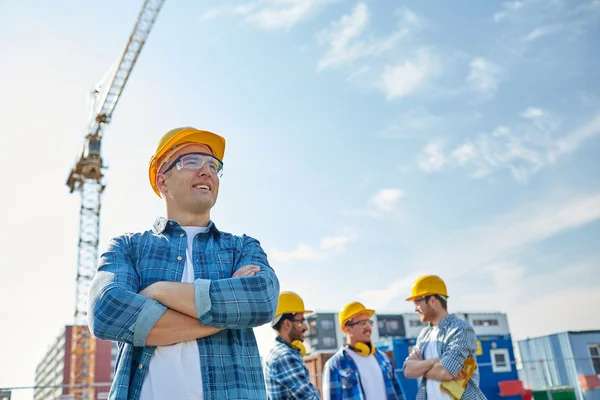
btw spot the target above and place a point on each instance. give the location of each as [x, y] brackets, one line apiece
[53, 374]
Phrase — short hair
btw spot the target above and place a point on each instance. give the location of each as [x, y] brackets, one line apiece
[288, 316]
[443, 301]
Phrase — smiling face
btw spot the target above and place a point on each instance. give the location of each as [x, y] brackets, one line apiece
[190, 191]
[359, 328]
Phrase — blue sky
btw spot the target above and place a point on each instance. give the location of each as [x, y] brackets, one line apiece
[368, 143]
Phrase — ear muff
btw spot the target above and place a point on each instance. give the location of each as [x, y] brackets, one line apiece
[298, 345]
[364, 349]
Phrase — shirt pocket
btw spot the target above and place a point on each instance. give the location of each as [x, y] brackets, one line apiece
[223, 261]
[348, 379]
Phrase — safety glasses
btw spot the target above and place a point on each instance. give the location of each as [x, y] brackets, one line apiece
[196, 161]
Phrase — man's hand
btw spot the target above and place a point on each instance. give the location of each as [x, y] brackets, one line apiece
[246, 271]
[459, 377]
[415, 355]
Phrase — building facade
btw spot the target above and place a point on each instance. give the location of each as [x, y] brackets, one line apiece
[563, 359]
[54, 373]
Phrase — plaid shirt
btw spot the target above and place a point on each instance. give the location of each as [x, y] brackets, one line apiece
[286, 375]
[456, 342]
[341, 378]
[231, 365]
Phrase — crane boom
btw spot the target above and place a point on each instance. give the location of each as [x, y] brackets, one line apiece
[86, 177]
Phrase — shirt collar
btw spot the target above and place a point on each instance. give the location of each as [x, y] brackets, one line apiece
[283, 341]
[445, 321]
[162, 224]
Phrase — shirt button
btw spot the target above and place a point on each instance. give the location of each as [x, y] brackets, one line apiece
[182, 235]
[141, 366]
[179, 258]
[171, 223]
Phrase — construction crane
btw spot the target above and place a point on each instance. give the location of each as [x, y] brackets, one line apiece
[87, 178]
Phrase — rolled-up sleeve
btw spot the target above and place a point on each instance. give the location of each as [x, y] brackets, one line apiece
[116, 311]
[462, 344]
[239, 302]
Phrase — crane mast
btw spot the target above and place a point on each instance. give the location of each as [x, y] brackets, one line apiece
[87, 178]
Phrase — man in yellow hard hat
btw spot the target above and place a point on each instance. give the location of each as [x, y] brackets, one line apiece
[358, 370]
[182, 298]
[443, 348]
[286, 375]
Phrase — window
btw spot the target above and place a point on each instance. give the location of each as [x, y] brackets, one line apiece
[327, 324]
[500, 360]
[415, 322]
[329, 342]
[485, 322]
[595, 354]
[390, 326]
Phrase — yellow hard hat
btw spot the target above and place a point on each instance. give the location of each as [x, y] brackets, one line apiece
[427, 285]
[290, 303]
[183, 135]
[352, 309]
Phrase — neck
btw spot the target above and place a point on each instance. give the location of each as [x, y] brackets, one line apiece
[189, 219]
[285, 337]
[352, 342]
[439, 318]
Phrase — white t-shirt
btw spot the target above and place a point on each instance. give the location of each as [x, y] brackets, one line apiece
[433, 387]
[371, 375]
[174, 371]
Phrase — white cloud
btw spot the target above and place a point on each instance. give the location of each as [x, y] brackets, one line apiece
[484, 76]
[406, 77]
[210, 14]
[509, 9]
[432, 157]
[523, 150]
[464, 153]
[338, 242]
[386, 201]
[279, 14]
[380, 298]
[486, 252]
[538, 33]
[532, 112]
[346, 45]
[303, 252]
[328, 246]
[573, 140]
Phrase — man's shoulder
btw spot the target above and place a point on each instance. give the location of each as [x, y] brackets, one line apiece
[456, 323]
[338, 359]
[278, 352]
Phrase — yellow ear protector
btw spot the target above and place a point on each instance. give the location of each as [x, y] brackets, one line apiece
[298, 345]
[364, 349]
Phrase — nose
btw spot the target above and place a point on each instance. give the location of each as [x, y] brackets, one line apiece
[204, 170]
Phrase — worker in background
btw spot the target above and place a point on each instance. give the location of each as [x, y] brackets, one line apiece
[444, 348]
[286, 375]
[182, 298]
[358, 370]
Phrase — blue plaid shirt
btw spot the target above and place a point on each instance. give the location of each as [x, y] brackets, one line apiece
[231, 365]
[286, 375]
[456, 342]
[341, 379]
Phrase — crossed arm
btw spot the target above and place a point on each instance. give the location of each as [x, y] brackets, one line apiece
[180, 322]
[461, 344]
[169, 312]
[416, 367]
